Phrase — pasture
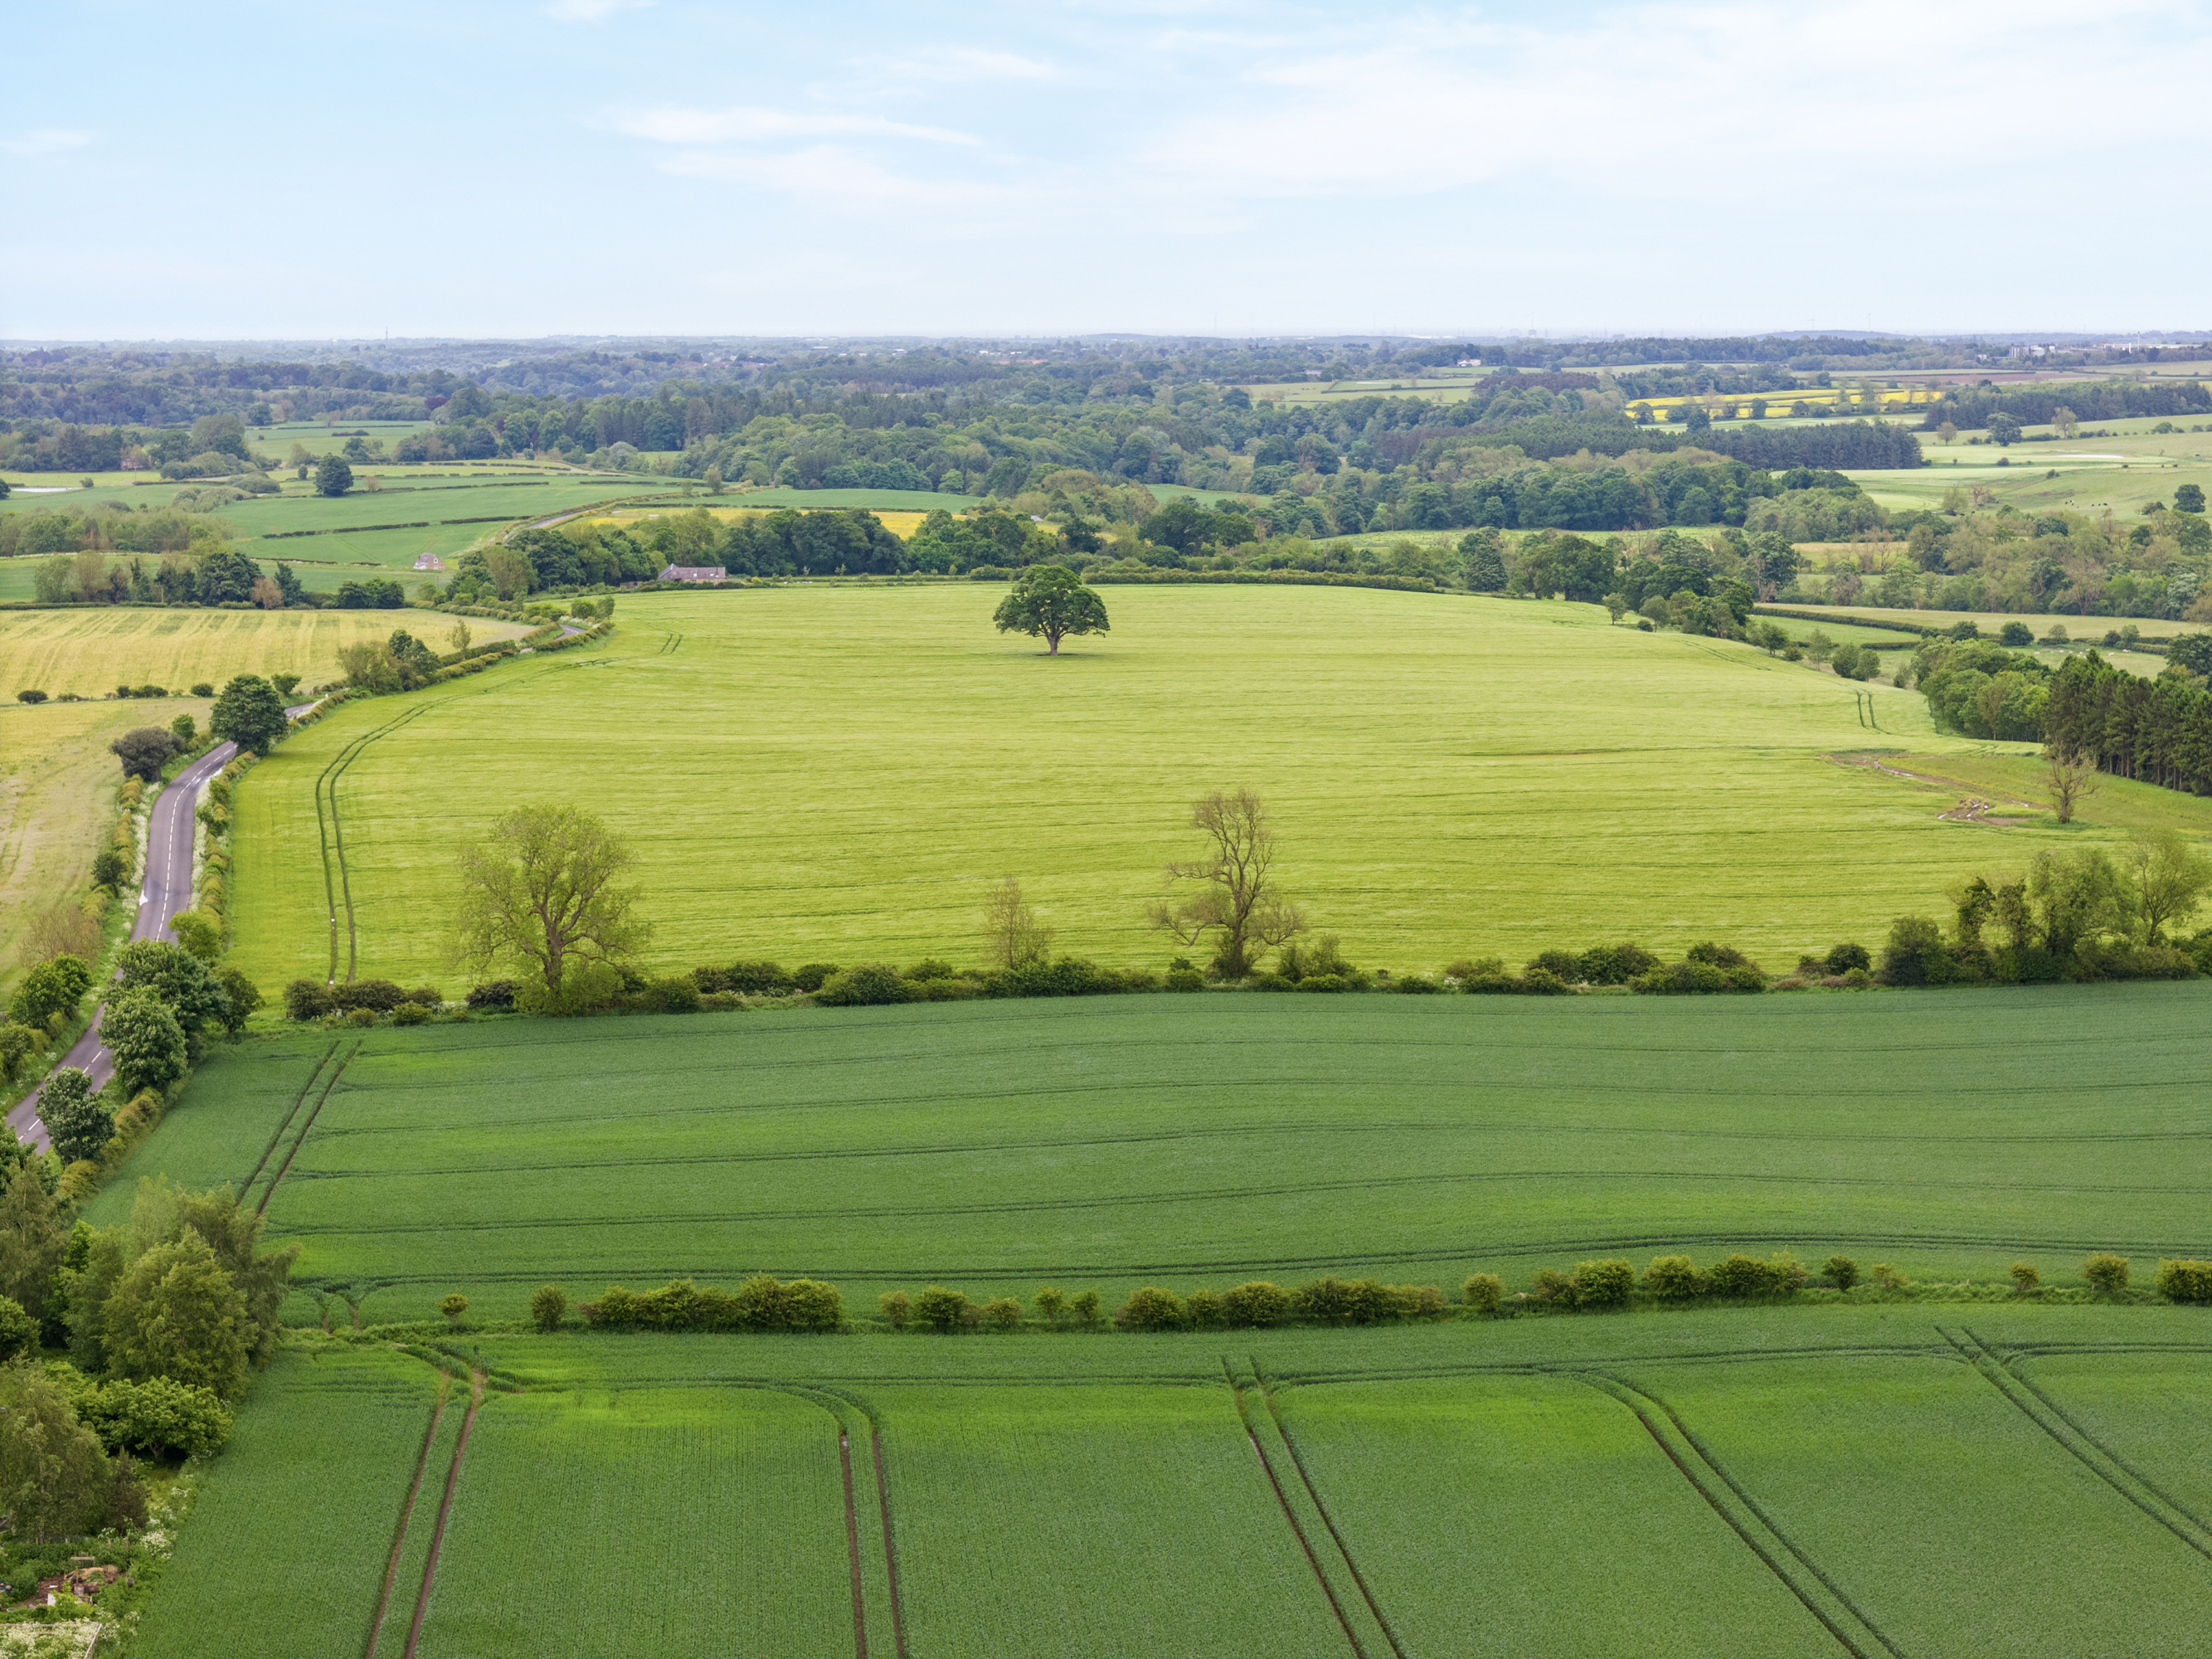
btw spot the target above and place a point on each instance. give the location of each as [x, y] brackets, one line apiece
[1198, 1141]
[835, 774]
[1782, 1482]
[91, 650]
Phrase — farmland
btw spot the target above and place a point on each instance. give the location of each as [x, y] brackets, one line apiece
[1200, 1140]
[1874, 1480]
[1453, 776]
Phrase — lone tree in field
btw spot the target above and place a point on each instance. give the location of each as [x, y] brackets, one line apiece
[1048, 600]
[1011, 932]
[332, 476]
[2073, 779]
[250, 713]
[541, 890]
[1229, 893]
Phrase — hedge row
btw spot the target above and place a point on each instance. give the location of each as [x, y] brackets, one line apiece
[759, 1304]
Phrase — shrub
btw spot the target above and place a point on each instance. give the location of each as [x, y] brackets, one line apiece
[1003, 1312]
[755, 978]
[1841, 1272]
[1615, 964]
[809, 1304]
[2185, 1281]
[811, 976]
[1483, 1293]
[1843, 957]
[677, 994]
[1679, 979]
[498, 993]
[1257, 1302]
[1673, 1279]
[19, 1332]
[1887, 1277]
[361, 1017]
[1417, 1301]
[28, 695]
[1070, 976]
[1084, 1305]
[1185, 979]
[1415, 985]
[160, 1417]
[897, 1308]
[1342, 1301]
[1323, 982]
[1915, 953]
[548, 1306]
[1541, 983]
[939, 1309]
[871, 985]
[2025, 1277]
[1560, 964]
[1603, 1284]
[1151, 1308]
[382, 994]
[1208, 1309]
[1746, 1276]
[409, 1013]
[453, 1307]
[2107, 1274]
[931, 968]
[1551, 1285]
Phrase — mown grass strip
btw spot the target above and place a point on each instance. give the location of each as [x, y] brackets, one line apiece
[406, 1512]
[444, 1511]
[2106, 1465]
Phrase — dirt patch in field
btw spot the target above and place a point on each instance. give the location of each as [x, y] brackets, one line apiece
[1970, 808]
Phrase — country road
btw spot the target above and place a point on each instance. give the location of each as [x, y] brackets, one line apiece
[167, 890]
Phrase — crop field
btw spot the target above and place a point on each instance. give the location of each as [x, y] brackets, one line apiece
[1872, 1481]
[91, 650]
[1452, 776]
[1200, 1140]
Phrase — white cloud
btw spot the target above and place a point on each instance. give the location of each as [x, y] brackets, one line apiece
[46, 142]
[752, 125]
[592, 11]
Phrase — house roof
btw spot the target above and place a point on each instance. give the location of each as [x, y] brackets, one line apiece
[694, 573]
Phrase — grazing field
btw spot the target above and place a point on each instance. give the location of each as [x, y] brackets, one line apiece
[1198, 1141]
[835, 775]
[90, 650]
[1735, 1485]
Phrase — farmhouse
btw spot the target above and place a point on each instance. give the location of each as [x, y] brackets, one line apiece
[694, 573]
[430, 561]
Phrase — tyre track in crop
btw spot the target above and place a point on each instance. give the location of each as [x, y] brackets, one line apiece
[331, 834]
[406, 1512]
[883, 1505]
[2084, 1448]
[1305, 1475]
[1854, 1631]
[1283, 1502]
[445, 1512]
[2016, 1364]
[300, 1140]
[246, 1187]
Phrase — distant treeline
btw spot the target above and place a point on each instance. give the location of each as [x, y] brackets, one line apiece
[2157, 731]
[1970, 407]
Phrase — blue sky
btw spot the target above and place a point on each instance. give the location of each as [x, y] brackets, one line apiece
[480, 167]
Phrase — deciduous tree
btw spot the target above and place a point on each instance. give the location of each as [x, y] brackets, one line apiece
[144, 750]
[542, 889]
[2171, 878]
[146, 1040]
[1049, 601]
[79, 1122]
[1230, 894]
[1011, 932]
[250, 713]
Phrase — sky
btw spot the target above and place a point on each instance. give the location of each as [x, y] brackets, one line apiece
[487, 168]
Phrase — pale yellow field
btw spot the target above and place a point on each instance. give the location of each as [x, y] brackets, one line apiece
[91, 651]
[901, 525]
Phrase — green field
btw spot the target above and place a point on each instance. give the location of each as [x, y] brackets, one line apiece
[1767, 1483]
[1201, 1141]
[836, 774]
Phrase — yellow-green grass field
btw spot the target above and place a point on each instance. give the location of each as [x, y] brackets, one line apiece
[812, 774]
[2078, 628]
[91, 650]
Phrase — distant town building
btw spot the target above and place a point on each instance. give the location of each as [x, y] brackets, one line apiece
[430, 561]
[694, 573]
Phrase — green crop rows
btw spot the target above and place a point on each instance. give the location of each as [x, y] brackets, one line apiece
[836, 775]
[1861, 1481]
[1203, 1141]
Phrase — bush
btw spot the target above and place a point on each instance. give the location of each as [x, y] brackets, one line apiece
[811, 976]
[19, 1332]
[1843, 957]
[1915, 953]
[1344, 1301]
[1550, 1286]
[755, 979]
[897, 1308]
[758, 1304]
[871, 985]
[1185, 979]
[1208, 1309]
[1151, 1308]
[1003, 1312]
[1083, 1305]
[941, 1309]
[160, 1417]
[1679, 979]
[1483, 1293]
[1673, 1279]
[2107, 1274]
[1603, 1284]
[1257, 1302]
[1747, 1276]
[1841, 1272]
[677, 994]
[409, 1013]
[31, 696]
[382, 994]
[931, 968]
[1415, 985]
[2185, 1281]
[1614, 964]
[2025, 1277]
[1070, 976]
[548, 1306]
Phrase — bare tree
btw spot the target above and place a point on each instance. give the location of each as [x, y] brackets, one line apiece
[1011, 932]
[1229, 893]
[540, 891]
[2073, 779]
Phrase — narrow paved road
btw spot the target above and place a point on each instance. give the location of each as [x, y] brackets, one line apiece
[168, 890]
